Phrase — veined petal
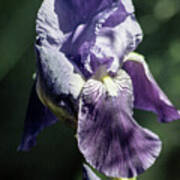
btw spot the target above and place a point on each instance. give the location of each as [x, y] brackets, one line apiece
[108, 136]
[147, 93]
[88, 174]
[37, 118]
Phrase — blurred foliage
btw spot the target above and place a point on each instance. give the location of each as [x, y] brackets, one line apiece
[16, 31]
[56, 156]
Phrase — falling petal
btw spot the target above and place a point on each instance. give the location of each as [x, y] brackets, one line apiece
[108, 136]
[147, 93]
[37, 118]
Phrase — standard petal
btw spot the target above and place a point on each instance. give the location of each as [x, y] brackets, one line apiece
[37, 118]
[88, 174]
[123, 9]
[147, 93]
[74, 12]
[105, 39]
[101, 31]
[59, 76]
[114, 43]
[108, 136]
[47, 25]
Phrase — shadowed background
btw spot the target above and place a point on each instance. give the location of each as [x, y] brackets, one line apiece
[56, 156]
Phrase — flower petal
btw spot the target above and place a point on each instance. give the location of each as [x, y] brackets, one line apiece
[74, 12]
[116, 42]
[101, 31]
[65, 110]
[88, 174]
[148, 95]
[108, 136]
[59, 76]
[99, 44]
[47, 25]
[128, 5]
[37, 118]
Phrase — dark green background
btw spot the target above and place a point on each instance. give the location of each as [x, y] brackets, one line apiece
[56, 156]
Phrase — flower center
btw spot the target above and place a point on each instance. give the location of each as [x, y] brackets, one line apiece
[110, 85]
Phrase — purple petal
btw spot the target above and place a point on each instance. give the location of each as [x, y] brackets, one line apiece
[148, 95]
[37, 118]
[103, 30]
[47, 25]
[108, 136]
[114, 43]
[74, 12]
[99, 43]
[59, 76]
[124, 9]
[64, 108]
[88, 174]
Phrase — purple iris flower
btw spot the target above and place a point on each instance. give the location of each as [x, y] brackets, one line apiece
[89, 76]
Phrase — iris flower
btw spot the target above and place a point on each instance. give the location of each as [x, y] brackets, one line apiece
[89, 76]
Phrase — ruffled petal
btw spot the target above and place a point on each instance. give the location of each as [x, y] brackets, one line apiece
[37, 118]
[108, 136]
[88, 174]
[115, 43]
[89, 34]
[100, 43]
[147, 93]
[74, 12]
[47, 25]
[59, 76]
